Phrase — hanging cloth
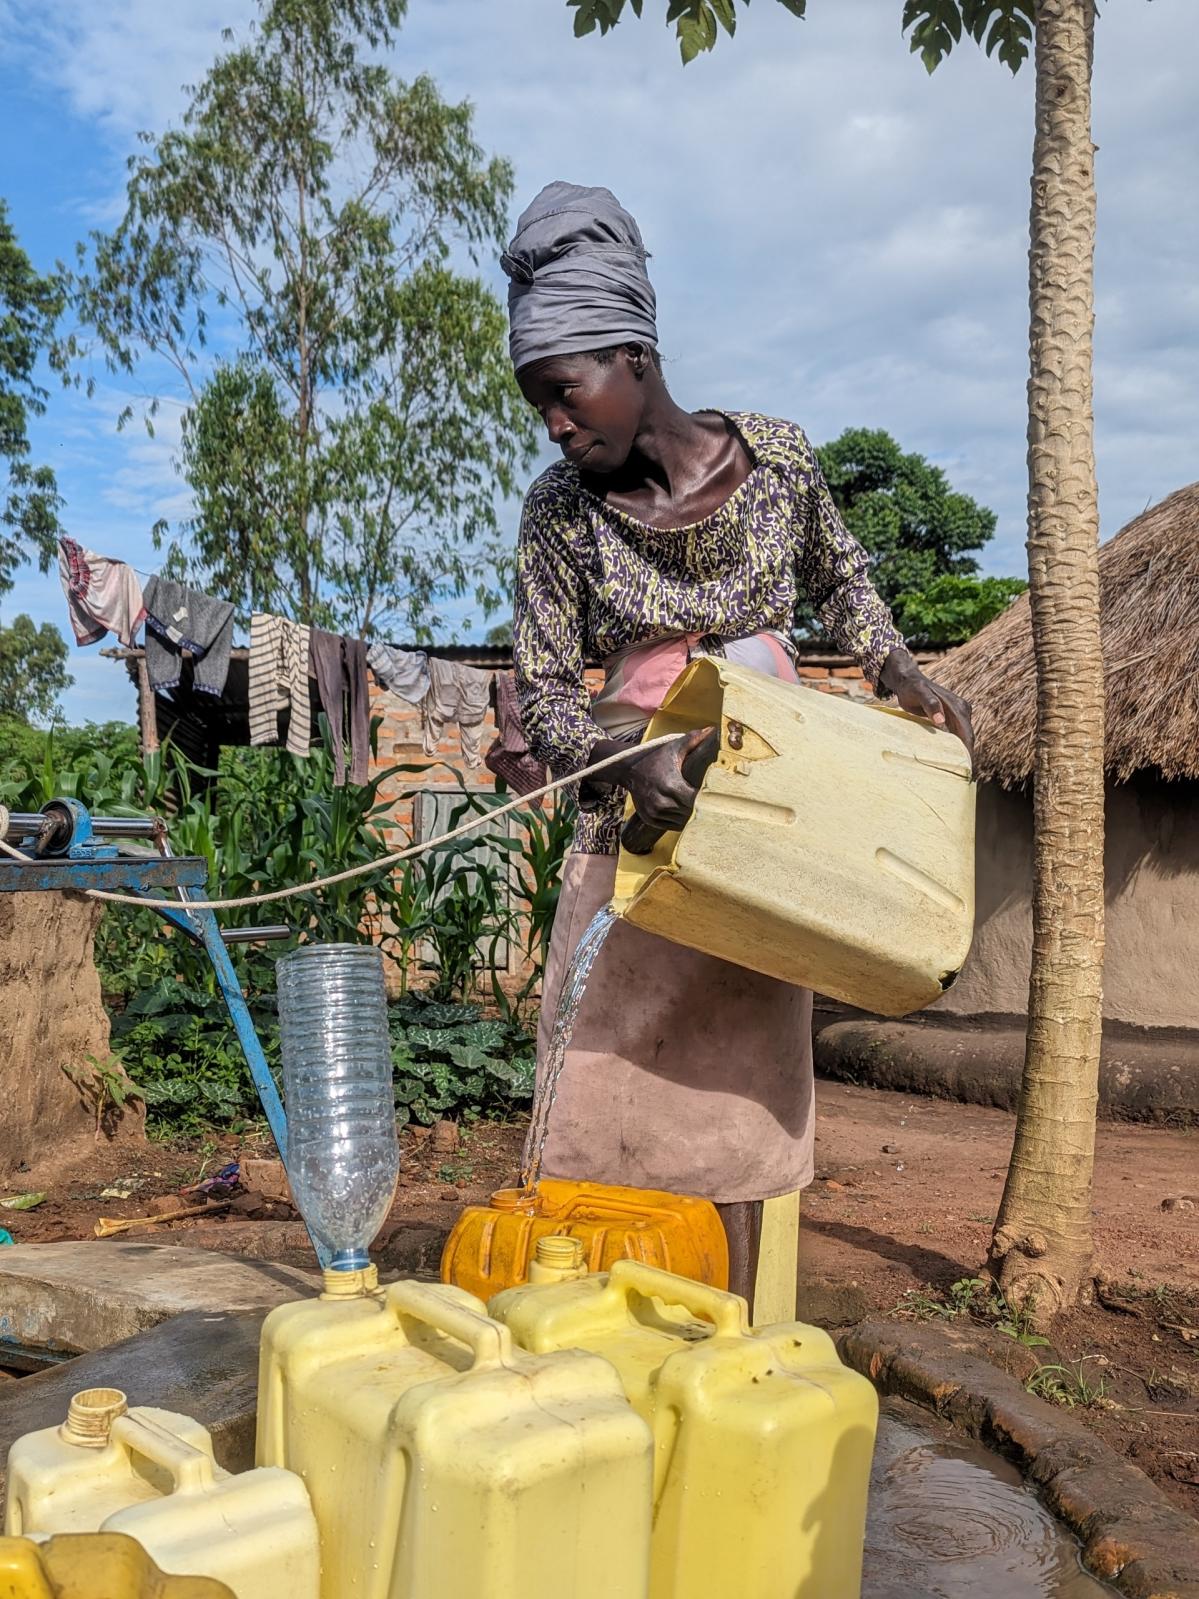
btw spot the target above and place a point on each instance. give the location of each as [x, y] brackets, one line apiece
[339, 666]
[180, 618]
[402, 672]
[103, 595]
[459, 694]
[509, 756]
[279, 681]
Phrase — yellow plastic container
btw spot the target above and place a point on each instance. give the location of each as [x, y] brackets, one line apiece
[99, 1565]
[150, 1474]
[443, 1461]
[832, 844]
[492, 1246]
[762, 1438]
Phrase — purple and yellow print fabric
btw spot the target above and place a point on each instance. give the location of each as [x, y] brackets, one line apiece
[592, 580]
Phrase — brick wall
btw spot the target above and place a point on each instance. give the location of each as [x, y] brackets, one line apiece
[400, 743]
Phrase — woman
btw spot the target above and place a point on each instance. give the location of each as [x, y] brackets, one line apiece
[660, 535]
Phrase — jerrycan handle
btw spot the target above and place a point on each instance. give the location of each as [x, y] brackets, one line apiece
[728, 1313]
[22, 1571]
[189, 1468]
[640, 837]
[490, 1341]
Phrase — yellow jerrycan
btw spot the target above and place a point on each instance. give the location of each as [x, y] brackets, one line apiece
[831, 846]
[150, 1474]
[442, 1460]
[492, 1246]
[99, 1565]
[762, 1438]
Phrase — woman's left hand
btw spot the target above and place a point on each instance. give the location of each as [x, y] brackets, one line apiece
[922, 697]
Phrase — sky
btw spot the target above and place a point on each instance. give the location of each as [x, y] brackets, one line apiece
[836, 237]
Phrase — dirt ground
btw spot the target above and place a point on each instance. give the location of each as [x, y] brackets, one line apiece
[885, 1230]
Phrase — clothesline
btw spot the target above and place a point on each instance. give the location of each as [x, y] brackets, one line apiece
[183, 624]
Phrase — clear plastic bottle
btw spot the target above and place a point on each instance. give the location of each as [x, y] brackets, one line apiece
[342, 1154]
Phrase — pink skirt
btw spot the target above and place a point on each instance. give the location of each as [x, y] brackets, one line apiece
[685, 1073]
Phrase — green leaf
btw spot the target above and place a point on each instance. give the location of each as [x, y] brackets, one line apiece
[490, 1036]
[470, 1058]
[696, 33]
[725, 14]
[23, 1201]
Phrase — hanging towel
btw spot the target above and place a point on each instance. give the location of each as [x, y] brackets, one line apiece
[402, 672]
[339, 666]
[509, 756]
[103, 595]
[279, 680]
[179, 618]
[459, 694]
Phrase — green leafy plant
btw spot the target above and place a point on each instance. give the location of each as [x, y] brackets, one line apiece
[1067, 1385]
[104, 1086]
[263, 819]
[979, 1298]
[449, 1060]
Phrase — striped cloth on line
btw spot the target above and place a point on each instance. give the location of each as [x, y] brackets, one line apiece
[279, 681]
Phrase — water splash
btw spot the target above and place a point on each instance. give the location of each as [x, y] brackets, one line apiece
[570, 999]
[951, 1521]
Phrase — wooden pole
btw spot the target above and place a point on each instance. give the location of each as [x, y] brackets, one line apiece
[147, 713]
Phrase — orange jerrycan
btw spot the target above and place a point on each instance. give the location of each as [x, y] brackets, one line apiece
[492, 1247]
[444, 1461]
[831, 846]
[99, 1565]
[762, 1438]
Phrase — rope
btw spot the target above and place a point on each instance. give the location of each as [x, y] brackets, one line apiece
[522, 802]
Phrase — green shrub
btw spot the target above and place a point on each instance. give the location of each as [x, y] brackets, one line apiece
[262, 820]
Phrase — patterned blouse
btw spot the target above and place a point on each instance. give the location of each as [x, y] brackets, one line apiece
[592, 580]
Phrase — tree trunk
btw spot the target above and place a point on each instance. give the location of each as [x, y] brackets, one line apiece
[1042, 1247]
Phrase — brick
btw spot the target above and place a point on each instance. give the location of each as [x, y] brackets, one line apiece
[814, 672]
[847, 671]
[266, 1177]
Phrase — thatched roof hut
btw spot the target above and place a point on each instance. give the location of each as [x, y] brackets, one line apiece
[1149, 586]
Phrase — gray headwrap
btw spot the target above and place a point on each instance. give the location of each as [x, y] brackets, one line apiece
[577, 277]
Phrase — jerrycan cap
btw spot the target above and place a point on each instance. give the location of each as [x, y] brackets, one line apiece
[350, 1284]
[90, 1416]
[560, 1250]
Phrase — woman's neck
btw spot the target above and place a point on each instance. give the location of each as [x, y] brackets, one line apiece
[672, 451]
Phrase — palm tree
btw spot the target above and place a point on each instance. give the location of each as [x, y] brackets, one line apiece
[1042, 1245]
[1041, 1250]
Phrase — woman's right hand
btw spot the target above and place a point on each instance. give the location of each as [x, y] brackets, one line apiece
[661, 794]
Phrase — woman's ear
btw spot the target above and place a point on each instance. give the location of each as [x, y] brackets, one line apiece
[638, 359]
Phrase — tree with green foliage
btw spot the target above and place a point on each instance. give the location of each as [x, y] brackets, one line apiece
[901, 508]
[33, 670]
[1043, 1246]
[954, 607]
[349, 449]
[30, 306]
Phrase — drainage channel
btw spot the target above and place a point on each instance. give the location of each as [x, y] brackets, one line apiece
[950, 1520]
[25, 1360]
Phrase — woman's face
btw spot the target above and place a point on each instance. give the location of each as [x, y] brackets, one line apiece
[591, 409]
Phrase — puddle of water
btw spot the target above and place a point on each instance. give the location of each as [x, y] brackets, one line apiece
[571, 997]
[949, 1520]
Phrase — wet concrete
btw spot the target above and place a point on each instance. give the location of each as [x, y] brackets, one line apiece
[949, 1520]
[203, 1363]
